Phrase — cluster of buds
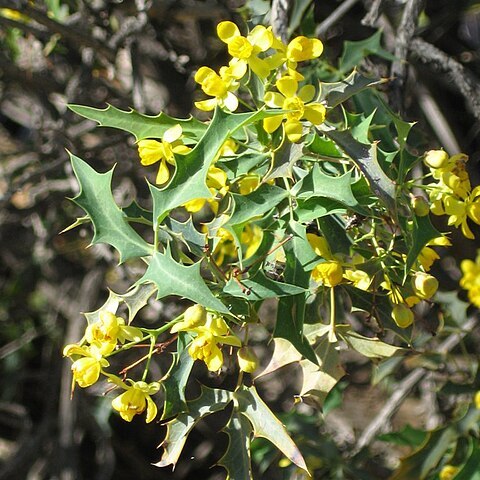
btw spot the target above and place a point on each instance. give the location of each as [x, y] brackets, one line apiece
[452, 195]
[470, 280]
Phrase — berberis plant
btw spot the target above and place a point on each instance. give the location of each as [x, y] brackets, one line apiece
[307, 205]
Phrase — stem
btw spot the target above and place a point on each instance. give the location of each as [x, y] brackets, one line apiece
[331, 334]
[290, 201]
[149, 357]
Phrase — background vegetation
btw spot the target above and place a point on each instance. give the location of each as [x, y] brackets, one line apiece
[143, 55]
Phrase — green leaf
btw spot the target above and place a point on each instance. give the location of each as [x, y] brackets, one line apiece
[188, 182]
[236, 459]
[369, 347]
[284, 159]
[140, 125]
[260, 287]
[335, 234]
[423, 232]
[300, 260]
[365, 158]
[109, 222]
[135, 299]
[337, 92]
[242, 164]
[334, 398]
[255, 204]
[172, 278]
[318, 184]
[355, 52]
[408, 436]
[324, 146]
[210, 400]
[266, 424]
[188, 234]
[175, 380]
[317, 207]
[470, 470]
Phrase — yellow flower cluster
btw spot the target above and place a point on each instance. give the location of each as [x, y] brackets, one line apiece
[100, 340]
[453, 194]
[262, 53]
[470, 280]
[211, 331]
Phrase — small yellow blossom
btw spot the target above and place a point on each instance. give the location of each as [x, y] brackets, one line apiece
[136, 399]
[476, 400]
[248, 184]
[110, 329]
[394, 293]
[428, 256]
[226, 247]
[205, 347]
[402, 315]
[247, 360]
[329, 273]
[420, 206]
[194, 316]
[448, 472]
[436, 158]
[220, 86]
[245, 50]
[461, 210]
[298, 106]
[359, 278]
[152, 151]
[320, 246]
[425, 285]
[470, 280]
[86, 369]
[251, 237]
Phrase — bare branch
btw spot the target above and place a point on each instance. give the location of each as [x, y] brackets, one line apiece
[334, 17]
[279, 18]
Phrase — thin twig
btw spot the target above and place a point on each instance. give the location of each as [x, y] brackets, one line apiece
[460, 77]
[370, 19]
[404, 36]
[279, 18]
[334, 17]
[404, 388]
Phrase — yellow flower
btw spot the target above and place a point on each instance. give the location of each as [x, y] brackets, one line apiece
[193, 317]
[476, 400]
[425, 285]
[298, 50]
[427, 255]
[448, 472]
[394, 293]
[152, 151]
[136, 399]
[359, 278]
[245, 50]
[402, 315]
[205, 345]
[330, 273]
[110, 329]
[298, 107]
[220, 86]
[225, 247]
[470, 280]
[436, 158]
[252, 236]
[217, 183]
[420, 206]
[247, 360]
[86, 370]
[248, 184]
[461, 210]
[319, 245]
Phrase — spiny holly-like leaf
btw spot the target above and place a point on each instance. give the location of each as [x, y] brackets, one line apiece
[284, 160]
[172, 278]
[423, 232]
[135, 299]
[318, 184]
[337, 92]
[300, 260]
[188, 234]
[109, 222]
[365, 158]
[317, 207]
[370, 347]
[175, 381]
[236, 459]
[210, 400]
[266, 424]
[260, 287]
[257, 203]
[142, 126]
[188, 182]
[354, 52]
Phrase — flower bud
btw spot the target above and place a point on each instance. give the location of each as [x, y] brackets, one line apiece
[420, 206]
[476, 400]
[436, 158]
[195, 316]
[425, 285]
[448, 472]
[247, 360]
[402, 315]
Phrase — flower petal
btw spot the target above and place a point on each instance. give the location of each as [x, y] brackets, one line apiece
[271, 124]
[259, 66]
[207, 105]
[151, 409]
[173, 133]
[230, 101]
[261, 37]
[163, 173]
[306, 93]
[315, 113]
[274, 99]
[287, 86]
[293, 130]
[227, 31]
